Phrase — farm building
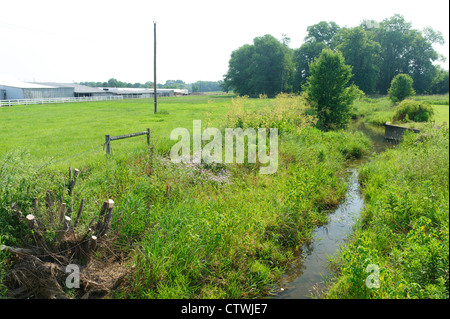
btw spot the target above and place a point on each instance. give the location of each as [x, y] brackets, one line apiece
[180, 92]
[132, 93]
[79, 90]
[12, 90]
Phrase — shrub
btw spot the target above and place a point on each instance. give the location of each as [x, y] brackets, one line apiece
[286, 112]
[401, 88]
[413, 110]
[328, 92]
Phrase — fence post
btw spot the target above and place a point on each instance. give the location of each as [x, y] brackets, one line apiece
[108, 144]
[148, 136]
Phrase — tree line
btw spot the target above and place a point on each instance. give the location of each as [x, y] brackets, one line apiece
[375, 51]
[199, 86]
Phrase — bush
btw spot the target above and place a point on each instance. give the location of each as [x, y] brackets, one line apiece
[327, 90]
[413, 110]
[401, 88]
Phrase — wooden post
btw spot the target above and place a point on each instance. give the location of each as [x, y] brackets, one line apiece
[72, 180]
[37, 233]
[80, 210]
[104, 226]
[62, 212]
[66, 223]
[155, 85]
[148, 136]
[108, 144]
[93, 243]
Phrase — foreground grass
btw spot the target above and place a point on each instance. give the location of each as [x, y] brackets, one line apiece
[404, 229]
[206, 231]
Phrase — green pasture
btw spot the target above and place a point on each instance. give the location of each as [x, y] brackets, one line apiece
[380, 110]
[58, 132]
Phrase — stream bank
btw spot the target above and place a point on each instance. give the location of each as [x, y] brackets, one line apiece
[307, 274]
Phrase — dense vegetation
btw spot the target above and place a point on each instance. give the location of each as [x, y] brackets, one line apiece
[401, 88]
[380, 110]
[404, 228]
[377, 52]
[224, 230]
[192, 230]
[327, 90]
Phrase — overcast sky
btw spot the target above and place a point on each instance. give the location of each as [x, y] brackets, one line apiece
[94, 40]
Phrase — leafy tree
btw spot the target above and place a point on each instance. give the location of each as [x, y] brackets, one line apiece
[363, 55]
[405, 50]
[319, 37]
[440, 83]
[303, 56]
[421, 57]
[195, 88]
[322, 32]
[401, 88]
[394, 36]
[262, 68]
[327, 90]
[238, 75]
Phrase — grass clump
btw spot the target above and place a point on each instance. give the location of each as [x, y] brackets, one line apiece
[413, 110]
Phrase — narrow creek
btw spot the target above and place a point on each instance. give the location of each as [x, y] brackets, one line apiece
[310, 268]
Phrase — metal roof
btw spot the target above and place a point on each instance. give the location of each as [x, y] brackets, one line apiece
[135, 90]
[78, 88]
[23, 85]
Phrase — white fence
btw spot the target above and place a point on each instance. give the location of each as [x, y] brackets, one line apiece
[59, 100]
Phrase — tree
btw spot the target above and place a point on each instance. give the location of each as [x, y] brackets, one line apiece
[319, 37]
[322, 32]
[262, 68]
[404, 50]
[327, 90]
[401, 88]
[303, 56]
[440, 83]
[195, 88]
[421, 57]
[238, 75]
[363, 55]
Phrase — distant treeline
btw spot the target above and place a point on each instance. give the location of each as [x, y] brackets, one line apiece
[199, 86]
[376, 51]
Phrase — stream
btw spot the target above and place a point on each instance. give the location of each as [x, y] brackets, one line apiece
[310, 269]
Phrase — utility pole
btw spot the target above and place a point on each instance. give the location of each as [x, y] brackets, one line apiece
[155, 93]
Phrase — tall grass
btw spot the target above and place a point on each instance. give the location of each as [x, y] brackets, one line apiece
[404, 227]
[201, 231]
[380, 110]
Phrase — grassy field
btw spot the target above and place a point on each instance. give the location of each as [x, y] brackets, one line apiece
[380, 110]
[224, 230]
[220, 231]
[53, 132]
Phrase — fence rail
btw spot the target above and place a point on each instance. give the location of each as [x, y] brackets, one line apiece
[109, 138]
[59, 100]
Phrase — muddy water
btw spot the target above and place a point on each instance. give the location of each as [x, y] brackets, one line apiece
[310, 269]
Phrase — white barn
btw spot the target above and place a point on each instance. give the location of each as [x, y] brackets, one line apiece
[79, 90]
[17, 90]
